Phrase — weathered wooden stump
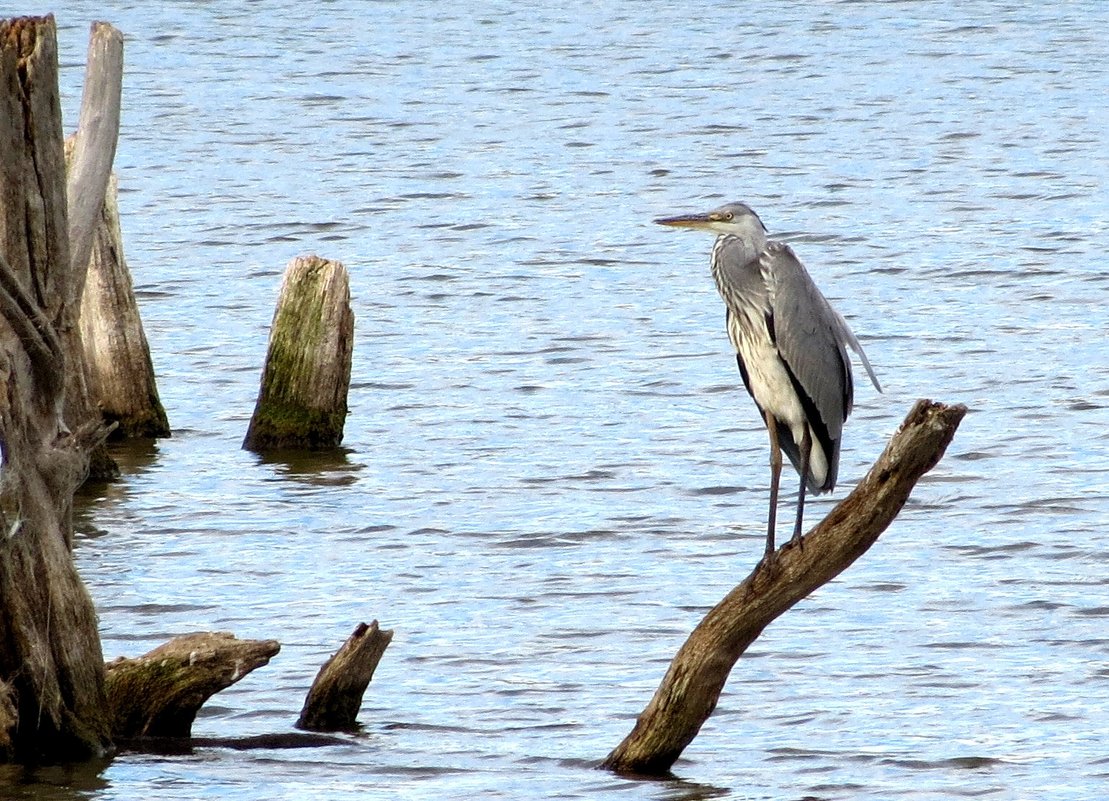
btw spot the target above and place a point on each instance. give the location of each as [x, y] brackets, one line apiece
[336, 695]
[51, 665]
[159, 694]
[117, 355]
[302, 402]
[691, 687]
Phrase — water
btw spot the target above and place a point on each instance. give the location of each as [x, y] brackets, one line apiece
[551, 471]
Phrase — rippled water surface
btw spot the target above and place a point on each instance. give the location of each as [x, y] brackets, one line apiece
[551, 468]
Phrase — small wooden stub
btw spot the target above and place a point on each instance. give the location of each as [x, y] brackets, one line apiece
[336, 695]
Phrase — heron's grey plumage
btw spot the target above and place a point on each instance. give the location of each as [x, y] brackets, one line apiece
[791, 346]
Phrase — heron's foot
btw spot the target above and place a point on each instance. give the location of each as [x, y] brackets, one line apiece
[769, 561]
[797, 540]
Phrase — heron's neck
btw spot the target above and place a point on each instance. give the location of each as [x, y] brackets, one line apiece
[749, 243]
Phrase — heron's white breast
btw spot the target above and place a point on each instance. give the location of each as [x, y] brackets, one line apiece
[771, 386]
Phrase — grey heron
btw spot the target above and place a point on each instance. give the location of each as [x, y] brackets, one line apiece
[791, 346]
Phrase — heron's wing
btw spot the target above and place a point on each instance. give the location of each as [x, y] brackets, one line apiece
[811, 336]
[849, 339]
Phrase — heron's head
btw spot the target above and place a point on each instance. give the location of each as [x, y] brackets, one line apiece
[736, 219]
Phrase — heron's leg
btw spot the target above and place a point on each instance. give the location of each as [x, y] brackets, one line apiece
[775, 475]
[806, 454]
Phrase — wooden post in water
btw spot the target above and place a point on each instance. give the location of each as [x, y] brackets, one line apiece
[52, 701]
[302, 402]
[120, 371]
[336, 695]
[691, 687]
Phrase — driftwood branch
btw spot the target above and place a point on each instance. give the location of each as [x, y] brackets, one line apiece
[692, 685]
[159, 694]
[94, 146]
[336, 695]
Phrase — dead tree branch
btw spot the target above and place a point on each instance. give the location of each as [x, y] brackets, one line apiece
[692, 685]
[336, 695]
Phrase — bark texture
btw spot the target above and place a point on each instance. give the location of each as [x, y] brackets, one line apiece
[159, 694]
[51, 664]
[88, 170]
[336, 694]
[120, 370]
[302, 403]
[692, 685]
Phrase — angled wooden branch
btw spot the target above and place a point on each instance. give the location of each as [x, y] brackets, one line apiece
[336, 695]
[692, 685]
[94, 146]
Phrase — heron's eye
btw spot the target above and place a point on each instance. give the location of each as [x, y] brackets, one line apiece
[728, 216]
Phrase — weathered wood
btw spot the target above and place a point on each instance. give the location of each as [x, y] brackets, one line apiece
[691, 687]
[87, 175]
[116, 353]
[302, 402]
[94, 147]
[9, 722]
[159, 694]
[179, 746]
[336, 694]
[50, 653]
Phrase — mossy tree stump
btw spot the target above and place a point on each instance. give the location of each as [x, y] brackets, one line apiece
[159, 694]
[302, 402]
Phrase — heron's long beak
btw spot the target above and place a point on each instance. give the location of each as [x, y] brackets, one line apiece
[687, 221]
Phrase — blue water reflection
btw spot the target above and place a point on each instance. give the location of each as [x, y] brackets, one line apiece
[553, 470]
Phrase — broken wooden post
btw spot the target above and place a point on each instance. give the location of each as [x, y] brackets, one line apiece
[158, 694]
[692, 685]
[87, 174]
[336, 695]
[302, 402]
[120, 371]
[51, 665]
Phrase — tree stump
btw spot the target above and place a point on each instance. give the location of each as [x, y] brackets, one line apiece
[692, 685]
[120, 371]
[51, 664]
[302, 402]
[159, 694]
[336, 694]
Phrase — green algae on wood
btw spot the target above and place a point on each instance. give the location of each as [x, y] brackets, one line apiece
[302, 401]
[159, 694]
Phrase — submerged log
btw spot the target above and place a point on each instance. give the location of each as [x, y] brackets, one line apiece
[159, 694]
[120, 371]
[181, 746]
[302, 402]
[692, 685]
[50, 658]
[336, 694]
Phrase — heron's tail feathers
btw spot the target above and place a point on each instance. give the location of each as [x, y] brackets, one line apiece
[823, 466]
